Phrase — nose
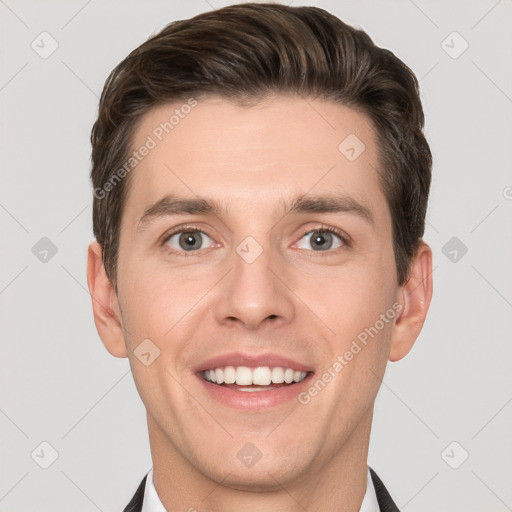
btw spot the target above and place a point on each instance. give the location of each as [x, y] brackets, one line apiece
[255, 292]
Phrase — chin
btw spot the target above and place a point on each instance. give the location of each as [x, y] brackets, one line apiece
[267, 473]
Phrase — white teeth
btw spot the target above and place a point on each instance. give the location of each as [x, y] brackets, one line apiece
[229, 375]
[277, 375]
[250, 389]
[243, 376]
[260, 376]
[288, 375]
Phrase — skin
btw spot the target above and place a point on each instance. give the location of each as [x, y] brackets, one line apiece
[294, 299]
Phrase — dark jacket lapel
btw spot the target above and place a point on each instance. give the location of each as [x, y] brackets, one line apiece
[135, 504]
[386, 503]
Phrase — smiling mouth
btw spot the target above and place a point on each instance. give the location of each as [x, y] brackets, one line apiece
[261, 378]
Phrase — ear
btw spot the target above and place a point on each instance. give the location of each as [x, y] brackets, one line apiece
[105, 306]
[415, 294]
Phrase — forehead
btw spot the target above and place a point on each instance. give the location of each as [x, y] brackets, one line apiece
[255, 155]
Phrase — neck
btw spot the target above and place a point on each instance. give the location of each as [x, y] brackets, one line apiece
[335, 484]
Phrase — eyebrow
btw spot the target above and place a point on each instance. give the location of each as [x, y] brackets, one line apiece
[304, 203]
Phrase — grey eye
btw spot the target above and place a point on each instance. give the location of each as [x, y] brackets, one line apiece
[187, 240]
[322, 240]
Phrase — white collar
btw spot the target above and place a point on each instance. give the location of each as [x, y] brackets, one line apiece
[152, 502]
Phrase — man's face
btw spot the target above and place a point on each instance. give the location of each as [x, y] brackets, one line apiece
[256, 282]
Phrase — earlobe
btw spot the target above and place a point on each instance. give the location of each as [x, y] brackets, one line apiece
[104, 303]
[416, 295]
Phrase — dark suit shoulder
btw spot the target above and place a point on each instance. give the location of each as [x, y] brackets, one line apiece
[386, 503]
[135, 504]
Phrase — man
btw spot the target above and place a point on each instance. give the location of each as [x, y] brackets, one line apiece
[261, 181]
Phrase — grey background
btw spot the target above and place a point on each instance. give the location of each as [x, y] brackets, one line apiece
[60, 386]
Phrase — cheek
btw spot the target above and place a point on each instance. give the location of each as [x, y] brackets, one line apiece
[351, 298]
[360, 314]
[157, 298]
[351, 304]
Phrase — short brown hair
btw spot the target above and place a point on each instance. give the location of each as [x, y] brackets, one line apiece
[246, 52]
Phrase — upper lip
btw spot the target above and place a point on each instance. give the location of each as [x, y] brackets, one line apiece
[251, 361]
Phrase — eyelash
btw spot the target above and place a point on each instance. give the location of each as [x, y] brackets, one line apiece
[193, 229]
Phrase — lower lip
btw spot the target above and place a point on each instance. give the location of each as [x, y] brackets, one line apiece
[255, 400]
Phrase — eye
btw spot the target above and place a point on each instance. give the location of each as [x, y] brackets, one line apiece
[187, 240]
[324, 239]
